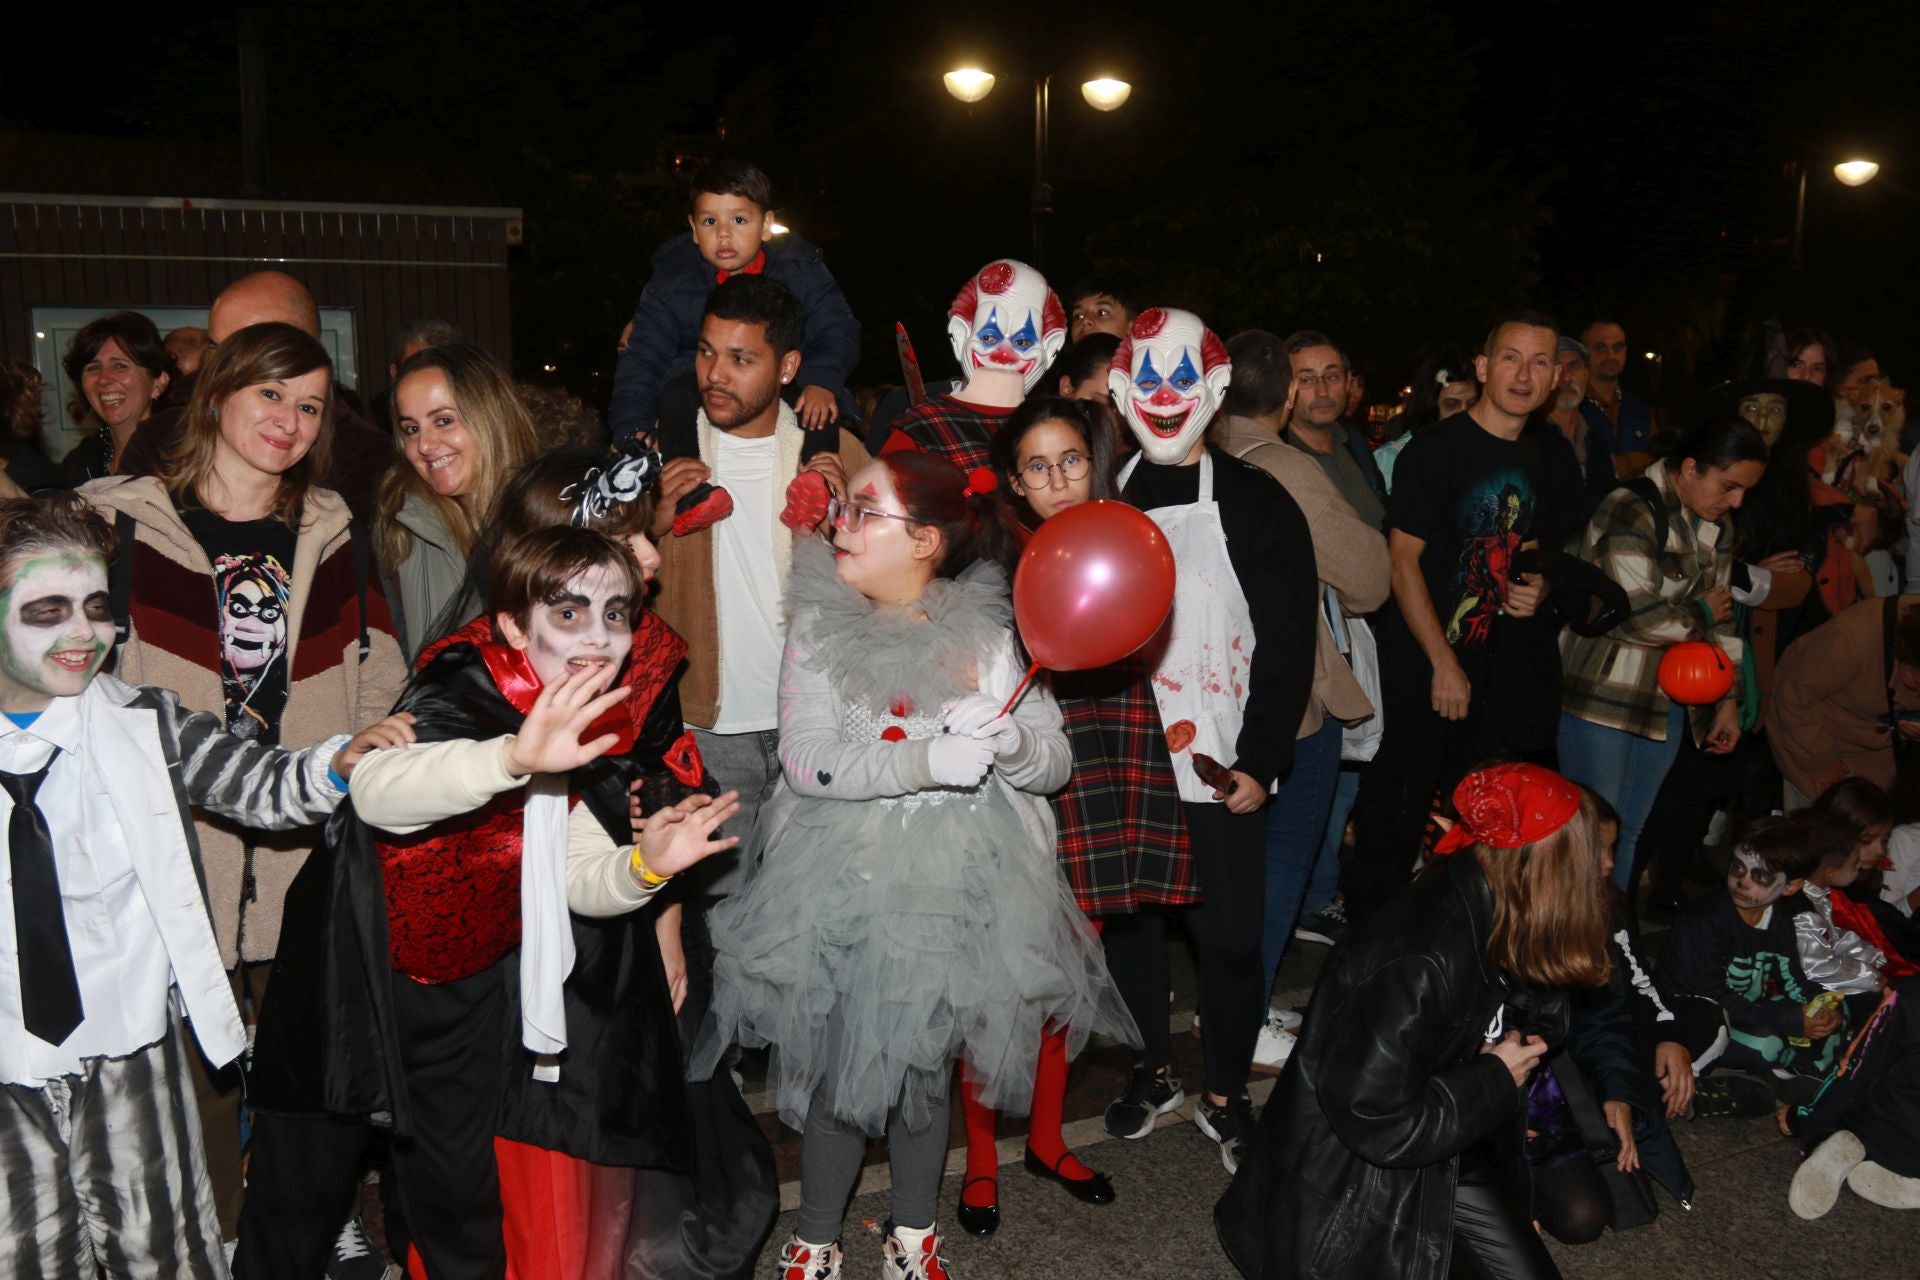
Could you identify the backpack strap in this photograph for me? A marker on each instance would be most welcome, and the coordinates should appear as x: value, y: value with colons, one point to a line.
x: 1649, y: 492
x: 357, y: 542
x: 120, y: 576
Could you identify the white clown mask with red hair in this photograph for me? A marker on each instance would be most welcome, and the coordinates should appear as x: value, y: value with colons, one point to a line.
x: 1167, y: 380
x: 1007, y: 319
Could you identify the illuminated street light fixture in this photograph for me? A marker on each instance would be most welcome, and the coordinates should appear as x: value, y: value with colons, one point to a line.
x: 1856, y: 173
x: 1107, y: 94
x: 969, y: 84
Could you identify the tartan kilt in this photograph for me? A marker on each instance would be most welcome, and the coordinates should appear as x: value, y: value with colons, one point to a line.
x: 944, y: 427
x: 1123, y: 839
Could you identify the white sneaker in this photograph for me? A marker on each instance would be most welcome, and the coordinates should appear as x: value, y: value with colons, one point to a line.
x: 1817, y: 1182
x: 918, y: 1260
x: 1275, y: 1045
x: 799, y: 1260
x: 1882, y: 1186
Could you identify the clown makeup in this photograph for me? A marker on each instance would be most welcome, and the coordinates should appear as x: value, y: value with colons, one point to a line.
x: 878, y: 550
x: 59, y: 629
x: 586, y: 624
x: 1754, y: 885
x: 1007, y: 320
x: 1167, y: 380
x: 1871, y: 850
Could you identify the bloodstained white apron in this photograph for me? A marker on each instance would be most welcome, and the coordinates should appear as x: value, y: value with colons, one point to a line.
x: 1200, y: 679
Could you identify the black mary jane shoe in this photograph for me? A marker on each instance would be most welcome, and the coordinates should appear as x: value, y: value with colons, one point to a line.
x: 979, y: 1220
x: 1094, y: 1189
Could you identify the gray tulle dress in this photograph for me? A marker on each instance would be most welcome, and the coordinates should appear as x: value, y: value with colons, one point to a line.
x: 890, y: 925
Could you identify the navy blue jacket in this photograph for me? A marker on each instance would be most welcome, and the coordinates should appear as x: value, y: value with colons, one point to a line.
x: 1636, y: 423
x: 666, y: 325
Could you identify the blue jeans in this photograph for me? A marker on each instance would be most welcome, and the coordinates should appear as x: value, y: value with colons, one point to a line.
x: 1623, y: 768
x: 1324, y: 885
x: 1296, y: 822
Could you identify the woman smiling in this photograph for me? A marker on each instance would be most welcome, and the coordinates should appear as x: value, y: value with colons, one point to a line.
x: 119, y: 368
x: 240, y: 588
x: 462, y: 430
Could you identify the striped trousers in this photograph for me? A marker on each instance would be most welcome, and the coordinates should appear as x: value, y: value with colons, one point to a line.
x: 102, y: 1174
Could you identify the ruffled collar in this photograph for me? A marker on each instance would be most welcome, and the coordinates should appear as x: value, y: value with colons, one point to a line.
x: 877, y: 655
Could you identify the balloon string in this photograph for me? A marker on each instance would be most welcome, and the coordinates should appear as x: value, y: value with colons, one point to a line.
x: 1025, y: 681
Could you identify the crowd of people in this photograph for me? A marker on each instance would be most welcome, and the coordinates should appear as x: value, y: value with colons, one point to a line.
x: 460, y: 798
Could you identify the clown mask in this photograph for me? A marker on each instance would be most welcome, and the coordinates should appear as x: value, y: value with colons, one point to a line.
x: 59, y: 628
x: 1007, y: 320
x: 1167, y: 380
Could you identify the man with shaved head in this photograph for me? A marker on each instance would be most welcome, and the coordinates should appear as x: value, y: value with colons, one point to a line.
x: 361, y: 451
x: 188, y: 345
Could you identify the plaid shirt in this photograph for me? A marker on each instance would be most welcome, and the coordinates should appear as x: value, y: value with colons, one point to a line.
x: 957, y: 431
x: 1612, y: 680
x: 1123, y: 839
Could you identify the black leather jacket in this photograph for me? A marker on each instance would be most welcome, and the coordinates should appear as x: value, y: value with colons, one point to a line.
x: 1352, y: 1173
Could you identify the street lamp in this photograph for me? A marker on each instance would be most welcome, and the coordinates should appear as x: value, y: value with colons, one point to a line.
x: 1852, y: 173
x: 1105, y: 93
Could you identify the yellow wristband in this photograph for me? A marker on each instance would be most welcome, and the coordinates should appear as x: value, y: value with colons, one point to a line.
x: 642, y: 872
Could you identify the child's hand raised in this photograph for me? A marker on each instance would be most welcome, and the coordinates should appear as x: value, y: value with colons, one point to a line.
x: 549, y: 739
x: 394, y: 732
x: 674, y: 838
x: 816, y: 408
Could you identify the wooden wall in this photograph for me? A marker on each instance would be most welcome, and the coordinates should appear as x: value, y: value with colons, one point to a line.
x: 389, y: 266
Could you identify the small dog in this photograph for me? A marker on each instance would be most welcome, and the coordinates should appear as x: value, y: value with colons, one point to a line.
x: 1860, y: 452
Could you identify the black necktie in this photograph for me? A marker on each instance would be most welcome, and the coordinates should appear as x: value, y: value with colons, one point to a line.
x: 49, y: 991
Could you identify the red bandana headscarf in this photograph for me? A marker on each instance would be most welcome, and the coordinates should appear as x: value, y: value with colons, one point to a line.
x: 1508, y: 806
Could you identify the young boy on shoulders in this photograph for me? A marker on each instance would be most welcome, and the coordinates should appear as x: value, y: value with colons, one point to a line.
x: 105, y: 915
x: 732, y: 232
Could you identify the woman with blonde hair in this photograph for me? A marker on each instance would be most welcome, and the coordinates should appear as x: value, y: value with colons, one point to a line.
x: 237, y: 583
x: 461, y: 428
x: 1393, y: 1142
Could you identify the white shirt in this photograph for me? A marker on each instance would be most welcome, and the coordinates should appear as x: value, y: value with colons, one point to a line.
x: 746, y: 585
x: 118, y: 953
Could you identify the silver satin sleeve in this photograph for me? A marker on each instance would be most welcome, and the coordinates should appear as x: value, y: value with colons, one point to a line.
x: 1834, y: 958
x: 257, y: 785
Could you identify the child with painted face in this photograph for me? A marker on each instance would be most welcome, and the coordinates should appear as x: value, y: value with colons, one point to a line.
x: 1741, y: 950
x: 99, y: 775
x: 907, y: 909
x: 1121, y: 841
x: 447, y: 903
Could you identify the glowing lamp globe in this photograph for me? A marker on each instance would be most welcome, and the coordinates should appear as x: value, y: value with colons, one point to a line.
x: 1106, y: 93
x: 1856, y: 173
x: 1695, y: 672
x: 969, y: 84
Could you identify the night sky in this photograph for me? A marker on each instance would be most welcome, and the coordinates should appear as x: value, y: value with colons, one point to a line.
x: 1393, y: 173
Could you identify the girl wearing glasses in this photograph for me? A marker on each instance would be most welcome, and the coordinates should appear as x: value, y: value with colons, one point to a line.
x: 244, y: 593
x: 906, y: 910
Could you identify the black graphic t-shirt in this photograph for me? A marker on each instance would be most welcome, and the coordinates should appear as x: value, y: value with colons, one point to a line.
x: 1471, y: 497
x: 252, y: 580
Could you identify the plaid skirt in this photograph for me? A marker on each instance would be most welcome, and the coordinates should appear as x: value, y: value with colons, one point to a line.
x: 1123, y: 841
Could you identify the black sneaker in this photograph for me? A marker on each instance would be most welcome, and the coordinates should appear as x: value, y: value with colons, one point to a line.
x: 1231, y: 1126
x: 1729, y: 1095
x: 354, y: 1257
x: 1325, y: 926
x: 1150, y: 1095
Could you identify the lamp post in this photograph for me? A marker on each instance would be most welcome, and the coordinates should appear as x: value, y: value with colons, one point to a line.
x: 1851, y: 173
x: 971, y: 84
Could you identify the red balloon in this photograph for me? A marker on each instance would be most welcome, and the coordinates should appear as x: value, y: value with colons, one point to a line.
x: 1695, y: 672
x: 1094, y: 585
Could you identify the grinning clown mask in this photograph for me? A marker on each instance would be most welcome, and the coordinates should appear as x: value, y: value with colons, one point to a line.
x: 1167, y: 380
x: 1007, y: 319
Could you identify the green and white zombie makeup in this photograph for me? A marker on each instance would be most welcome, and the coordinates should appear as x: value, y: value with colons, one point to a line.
x: 58, y: 628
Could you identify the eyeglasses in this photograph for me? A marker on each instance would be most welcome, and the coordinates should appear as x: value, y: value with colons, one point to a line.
x: 852, y: 517
x: 1038, y: 474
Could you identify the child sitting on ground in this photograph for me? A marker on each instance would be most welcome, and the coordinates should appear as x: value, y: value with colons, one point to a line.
x: 732, y: 233
x: 1741, y: 950
x: 106, y: 917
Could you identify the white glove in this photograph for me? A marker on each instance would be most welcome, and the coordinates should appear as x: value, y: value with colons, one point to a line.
x: 958, y: 759
x: 978, y: 716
